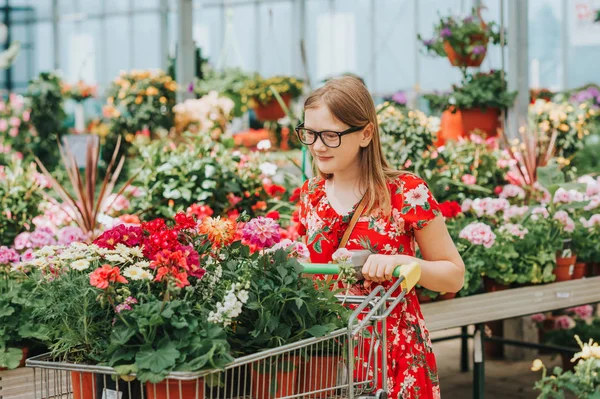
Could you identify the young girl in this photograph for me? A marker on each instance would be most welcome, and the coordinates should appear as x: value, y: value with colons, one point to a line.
x: 394, y: 209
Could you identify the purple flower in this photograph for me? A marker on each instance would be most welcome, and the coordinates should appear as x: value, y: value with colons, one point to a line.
x: 8, y: 255
x: 70, y: 234
x: 446, y: 32
x: 191, y: 88
x: 41, y: 237
x: 468, y: 19
x: 126, y: 305
x: 400, y: 98
x: 262, y: 232
x: 478, y: 50
x: 428, y: 42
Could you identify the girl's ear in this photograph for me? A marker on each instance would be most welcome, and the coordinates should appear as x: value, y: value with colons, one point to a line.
x: 366, y: 135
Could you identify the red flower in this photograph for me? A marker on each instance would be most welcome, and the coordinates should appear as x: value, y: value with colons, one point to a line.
x: 498, y: 190
x: 273, y: 215
x: 200, y: 211
x: 259, y: 206
x: 102, y: 276
x: 154, y: 225
x: 233, y: 214
x: 121, y: 234
x: 295, y: 195
x: 184, y: 222
x: 273, y: 189
x: 450, y: 209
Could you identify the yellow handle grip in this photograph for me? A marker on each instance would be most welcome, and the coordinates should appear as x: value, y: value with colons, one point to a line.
x: 411, y: 274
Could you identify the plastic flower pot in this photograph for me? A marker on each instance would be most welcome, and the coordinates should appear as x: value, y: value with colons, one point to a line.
x: 278, y: 379
x: 446, y: 296
x: 594, y: 269
x: 471, y: 60
x: 451, y: 127
x: 23, y: 358
x: 565, y: 267
x: 84, y: 385
x: 487, y: 120
x: 192, y: 389
x: 580, y: 270
x: 272, y: 111
x: 319, y: 372
x: 92, y: 386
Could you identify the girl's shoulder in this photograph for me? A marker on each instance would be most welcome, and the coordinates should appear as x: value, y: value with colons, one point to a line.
x: 406, y: 181
x: 312, y: 190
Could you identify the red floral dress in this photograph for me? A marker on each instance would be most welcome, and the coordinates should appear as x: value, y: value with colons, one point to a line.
x: 411, y: 363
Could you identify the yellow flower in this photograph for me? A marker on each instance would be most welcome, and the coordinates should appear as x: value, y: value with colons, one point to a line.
x: 564, y: 127
x: 537, y: 365
x: 163, y: 100
x: 138, y: 100
x: 110, y: 100
x: 151, y: 91
x: 129, y: 137
x: 122, y: 94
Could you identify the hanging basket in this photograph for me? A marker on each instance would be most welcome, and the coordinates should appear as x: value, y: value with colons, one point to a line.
x: 272, y: 111
x: 487, y: 120
x: 471, y: 60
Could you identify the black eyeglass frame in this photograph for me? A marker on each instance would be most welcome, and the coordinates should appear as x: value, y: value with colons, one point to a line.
x: 318, y: 134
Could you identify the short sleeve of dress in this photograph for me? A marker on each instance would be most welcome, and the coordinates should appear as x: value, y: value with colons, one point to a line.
x: 302, y: 204
x: 414, y: 201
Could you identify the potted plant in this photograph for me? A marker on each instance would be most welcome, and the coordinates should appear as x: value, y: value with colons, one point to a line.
x: 582, y: 382
x: 262, y: 99
x: 585, y: 244
x: 209, y: 114
x: 79, y: 93
x: 463, y: 40
x: 228, y: 83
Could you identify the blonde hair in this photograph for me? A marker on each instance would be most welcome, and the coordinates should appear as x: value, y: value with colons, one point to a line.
x: 350, y: 102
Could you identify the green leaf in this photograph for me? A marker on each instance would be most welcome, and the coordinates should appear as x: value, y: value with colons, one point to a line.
x: 121, y: 335
x: 158, y: 360
x: 7, y: 311
x: 550, y: 175
x: 11, y: 358
x: 317, y: 331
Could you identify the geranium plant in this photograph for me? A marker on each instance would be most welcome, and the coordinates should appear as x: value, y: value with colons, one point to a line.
x: 258, y: 90
x: 16, y: 131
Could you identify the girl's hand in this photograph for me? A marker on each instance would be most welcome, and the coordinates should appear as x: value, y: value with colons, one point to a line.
x: 379, y: 268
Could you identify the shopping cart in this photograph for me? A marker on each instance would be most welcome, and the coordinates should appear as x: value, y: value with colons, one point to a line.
x: 342, y: 364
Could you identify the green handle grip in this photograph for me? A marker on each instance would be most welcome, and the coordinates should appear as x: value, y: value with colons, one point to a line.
x: 331, y: 269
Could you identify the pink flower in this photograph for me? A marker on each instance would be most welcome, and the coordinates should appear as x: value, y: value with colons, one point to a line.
x: 514, y: 178
x: 16, y: 101
x: 540, y: 210
x: 479, y: 234
x: 126, y: 305
x: 489, y: 206
x: 515, y: 211
x: 262, y: 232
x: 115, y: 203
x: 466, y: 205
x: 41, y: 237
x: 512, y: 191
x: 341, y: 255
x: 594, y: 203
x: 468, y: 179
x: 13, y: 132
x: 476, y: 139
x: 593, y: 221
x: 22, y: 241
x: 134, y: 191
x: 3, y: 125
x: 2, y: 105
x: 564, y: 323
x: 233, y: 199
x: 8, y: 255
x: 70, y: 234
x: 42, y: 180
x: 26, y: 116
x: 538, y: 317
x: 15, y: 122
x: 583, y: 311
x: 515, y: 229
x: 567, y: 197
x: 565, y: 220
x: 296, y: 249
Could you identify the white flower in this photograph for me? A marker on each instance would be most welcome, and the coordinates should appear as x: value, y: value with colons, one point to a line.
x: 263, y: 145
x: 268, y: 168
x: 39, y: 262
x: 137, y: 273
x: 243, y: 296
x: 341, y: 255
x: 136, y: 251
x: 417, y: 196
x: 47, y: 251
x: 80, y: 264
x: 143, y: 264
x: 114, y: 258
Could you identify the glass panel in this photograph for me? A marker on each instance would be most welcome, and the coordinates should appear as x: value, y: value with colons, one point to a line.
x: 240, y: 37
x: 584, y: 43
x: 67, y: 7
x: 146, y: 4
x: 208, y: 31
x: 276, y: 46
x: 118, y: 46
x: 44, y: 47
x: 545, y: 66
x: 113, y: 6
x: 92, y: 7
x: 146, y: 41
x: 42, y: 9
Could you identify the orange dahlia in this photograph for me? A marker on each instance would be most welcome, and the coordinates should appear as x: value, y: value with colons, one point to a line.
x: 219, y: 231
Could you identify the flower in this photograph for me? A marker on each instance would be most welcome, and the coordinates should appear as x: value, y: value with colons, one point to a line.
x: 137, y: 273
x: 274, y: 189
x: 478, y: 234
x: 263, y: 145
x: 22, y: 241
x: 515, y: 211
x: 515, y: 229
x: 200, y: 211
x: 70, y: 234
x: 564, y: 323
x: 130, y: 219
x: 538, y: 317
x: 468, y: 179
x: 540, y: 210
x: 341, y: 255
x: 81, y: 264
x: 219, y: 231
x: 537, y: 365
x: 445, y: 32
x: 273, y: 215
x: 478, y: 50
x: 594, y: 220
x: 565, y: 220
x: 184, y: 222
x: 450, y: 209
x: 417, y: 196
x: 41, y: 237
x: 583, y: 311
x: 512, y: 191
x: 8, y: 255
x: 262, y: 232
x: 102, y: 276
x: 126, y: 305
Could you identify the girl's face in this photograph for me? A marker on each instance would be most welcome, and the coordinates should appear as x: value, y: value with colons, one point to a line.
x: 340, y: 159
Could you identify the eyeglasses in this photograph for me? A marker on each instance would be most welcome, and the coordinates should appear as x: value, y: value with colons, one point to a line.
x: 329, y: 138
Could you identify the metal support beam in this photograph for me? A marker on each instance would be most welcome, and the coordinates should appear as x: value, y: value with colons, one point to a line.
x: 186, y: 57
x: 518, y: 65
x: 55, y: 35
x: 564, y: 46
x: 478, y: 362
x: 164, y: 34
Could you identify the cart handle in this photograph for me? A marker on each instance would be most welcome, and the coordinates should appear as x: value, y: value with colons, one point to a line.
x: 410, y: 273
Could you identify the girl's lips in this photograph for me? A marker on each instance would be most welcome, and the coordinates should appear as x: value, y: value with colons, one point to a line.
x: 323, y: 159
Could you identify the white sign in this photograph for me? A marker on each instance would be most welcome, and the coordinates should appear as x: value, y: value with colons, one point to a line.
x: 583, y: 30
x: 336, y: 44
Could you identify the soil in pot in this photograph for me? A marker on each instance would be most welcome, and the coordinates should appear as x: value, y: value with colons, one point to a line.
x: 319, y: 372
x: 272, y: 380
x: 564, y: 268
x: 192, y: 389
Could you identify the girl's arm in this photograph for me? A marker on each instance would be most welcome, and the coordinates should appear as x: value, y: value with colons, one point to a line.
x: 442, y: 268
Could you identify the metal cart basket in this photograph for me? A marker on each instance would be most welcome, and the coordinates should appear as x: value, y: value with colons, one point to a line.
x: 342, y: 364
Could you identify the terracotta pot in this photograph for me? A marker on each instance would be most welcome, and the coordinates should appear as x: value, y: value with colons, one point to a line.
x: 493, y: 286
x: 319, y: 372
x: 471, y: 60
x: 451, y: 127
x: 275, y: 381
x: 84, y: 385
x: 564, y: 268
x: 487, y: 120
x: 446, y: 296
x: 595, y: 269
x: 23, y: 358
x: 193, y: 389
x: 580, y: 269
x: 272, y: 111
